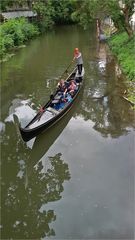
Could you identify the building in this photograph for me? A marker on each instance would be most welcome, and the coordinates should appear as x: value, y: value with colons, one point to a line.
x: 4, y: 16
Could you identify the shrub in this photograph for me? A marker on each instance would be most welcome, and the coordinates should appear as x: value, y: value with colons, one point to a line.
x: 28, y: 29
x: 2, y: 47
x: 14, y: 33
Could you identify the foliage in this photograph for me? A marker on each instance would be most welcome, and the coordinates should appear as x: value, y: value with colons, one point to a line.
x: 87, y: 10
x: 62, y: 11
x: 29, y: 30
x: 5, y: 4
x: 14, y: 33
x: 45, y: 14
x: 121, y: 14
x: 53, y: 12
x: 123, y: 48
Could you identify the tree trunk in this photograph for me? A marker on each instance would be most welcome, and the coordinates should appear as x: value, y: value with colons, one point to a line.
x: 128, y: 28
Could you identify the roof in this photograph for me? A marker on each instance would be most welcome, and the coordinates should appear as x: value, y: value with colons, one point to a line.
x: 18, y: 14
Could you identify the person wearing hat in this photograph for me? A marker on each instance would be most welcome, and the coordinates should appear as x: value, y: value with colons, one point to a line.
x: 79, y: 60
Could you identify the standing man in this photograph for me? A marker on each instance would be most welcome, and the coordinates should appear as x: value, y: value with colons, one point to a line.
x: 79, y: 60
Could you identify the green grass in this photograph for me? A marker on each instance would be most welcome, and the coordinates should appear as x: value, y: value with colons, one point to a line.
x: 124, y: 49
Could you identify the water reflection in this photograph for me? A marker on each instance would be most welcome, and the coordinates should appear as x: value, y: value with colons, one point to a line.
x: 21, y: 204
x: 102, y: 101
x: 102, y: 55
x: 22, y: 215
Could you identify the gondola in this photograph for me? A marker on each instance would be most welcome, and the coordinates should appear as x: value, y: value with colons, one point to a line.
x: 53, y: 110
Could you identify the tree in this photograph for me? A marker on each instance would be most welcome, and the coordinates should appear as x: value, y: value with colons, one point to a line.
x: 63, y: 10
x: 45, y: 13
x: 6, y: 3
x: 128, y: 10
x: 119, y: 11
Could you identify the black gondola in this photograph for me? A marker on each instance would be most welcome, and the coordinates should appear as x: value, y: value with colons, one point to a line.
x: 53, y: 110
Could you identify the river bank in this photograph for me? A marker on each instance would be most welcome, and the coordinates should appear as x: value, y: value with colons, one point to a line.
x: 123, y: 48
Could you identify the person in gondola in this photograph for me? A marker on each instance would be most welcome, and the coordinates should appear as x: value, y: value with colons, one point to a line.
x: 62, y: 87
x: 72, y: 87
x: 79, y: 61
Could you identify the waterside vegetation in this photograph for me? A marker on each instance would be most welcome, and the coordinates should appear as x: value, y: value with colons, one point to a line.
x: 15, y: 33
x: 124, y: 49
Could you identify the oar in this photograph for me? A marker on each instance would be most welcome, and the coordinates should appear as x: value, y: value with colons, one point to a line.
x: 52, y: 95
x: 42, y: 110
x: 66, y: 70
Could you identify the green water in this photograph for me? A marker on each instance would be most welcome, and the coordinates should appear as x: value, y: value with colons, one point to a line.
x: 75, y: 181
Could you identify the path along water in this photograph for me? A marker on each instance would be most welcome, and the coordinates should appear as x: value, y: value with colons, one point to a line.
x: 77, y: 180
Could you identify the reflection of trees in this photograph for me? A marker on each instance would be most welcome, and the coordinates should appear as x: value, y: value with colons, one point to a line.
x: 110, y: 114
x: 21, y: 215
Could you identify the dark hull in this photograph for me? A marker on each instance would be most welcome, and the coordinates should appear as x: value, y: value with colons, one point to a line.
x: 28, y: 134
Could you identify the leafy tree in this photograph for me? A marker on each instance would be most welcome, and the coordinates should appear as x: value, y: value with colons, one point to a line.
x: 121, y: 12
x: 6, y: 3
x: 62, y: 11
x: 128, y: 11
x: 14, y: 4
x: 87, y: 11
x: 45, y: 13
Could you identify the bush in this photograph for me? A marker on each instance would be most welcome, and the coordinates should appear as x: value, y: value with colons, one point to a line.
x: 28, y: 29
x: 45, y: 14
x: 2, y: 47
x: 13, y: 27
x: 14, y: 33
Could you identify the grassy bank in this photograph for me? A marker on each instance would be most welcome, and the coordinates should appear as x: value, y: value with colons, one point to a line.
x: 124, y: 49
x: 15, y: 33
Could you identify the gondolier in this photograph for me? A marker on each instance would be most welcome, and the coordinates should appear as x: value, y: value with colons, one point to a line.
x: 79, y: 60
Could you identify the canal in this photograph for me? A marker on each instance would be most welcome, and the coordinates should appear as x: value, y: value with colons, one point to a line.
x: 76, y: 181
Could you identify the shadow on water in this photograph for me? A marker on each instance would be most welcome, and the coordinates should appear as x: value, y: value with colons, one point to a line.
x: 34, y: 182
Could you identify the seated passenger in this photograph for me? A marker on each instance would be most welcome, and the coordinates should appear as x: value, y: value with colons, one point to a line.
x: 72, y: 87
x: 62, y: 102
x: 62, y: 87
